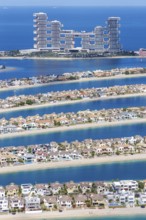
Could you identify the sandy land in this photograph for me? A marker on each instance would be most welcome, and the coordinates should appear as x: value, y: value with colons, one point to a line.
x: 121, y: 76
x: 80, y: 213
x: 73, y: 127
x: 74, y: 163
x: 70, y: 102
x: 67, y: 58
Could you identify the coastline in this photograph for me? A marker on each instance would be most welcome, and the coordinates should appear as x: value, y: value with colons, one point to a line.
x: 73, y: 163
x: 121, y: 76
x: 78, y: 213
x: 66, y: 58
x: 27, y: 107
x: 73, y: 127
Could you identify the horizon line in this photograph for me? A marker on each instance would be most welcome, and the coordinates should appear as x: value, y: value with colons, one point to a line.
x: 73, y: 5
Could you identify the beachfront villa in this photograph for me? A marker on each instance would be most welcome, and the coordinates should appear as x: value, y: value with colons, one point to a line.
x: 71, y: 195
x: 49, y: 35
x: 68, y: 77
x: 64, y: 152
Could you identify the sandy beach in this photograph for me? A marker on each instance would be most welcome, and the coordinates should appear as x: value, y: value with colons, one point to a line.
x: 70, y: 102
x: 74, y: 163
x: 73, y: 127
x: 67, y: 58
x: 80, y: 213
x: 74, y: 81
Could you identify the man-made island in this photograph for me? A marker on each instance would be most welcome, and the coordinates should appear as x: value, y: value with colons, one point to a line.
x: 65, y: 154
x: 84, y: 198
x: 70, y: 96
x: 68, y: 121
x: 43, y: 80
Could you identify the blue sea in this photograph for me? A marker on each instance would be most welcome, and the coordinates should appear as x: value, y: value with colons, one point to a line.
x: 16, y: 32
x: 16, y: 23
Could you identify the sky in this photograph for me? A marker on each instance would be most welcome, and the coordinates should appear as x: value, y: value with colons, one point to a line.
x: 73, y: 2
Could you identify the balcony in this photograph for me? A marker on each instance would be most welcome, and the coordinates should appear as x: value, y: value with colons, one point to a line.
x: 35, y: 46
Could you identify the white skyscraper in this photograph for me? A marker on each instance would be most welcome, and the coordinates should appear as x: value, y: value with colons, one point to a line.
x: 50, y: 35
x: 113, y: 34
x: 40, y: 24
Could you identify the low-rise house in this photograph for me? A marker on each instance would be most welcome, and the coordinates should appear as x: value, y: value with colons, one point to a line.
x: 85, y: 187
x: 4, y: 205
x: 75, y: 155
x: 12, y: 189
x: 29, y: 158
x: 53, y: 156
x: 55, y: 188
x: 127, y: 185
x: 72, y: 188
x: 110, y: 196
x: 16, y: 203
x: 142, y: 199
x: 41, y: 156
x: 131, y: 198
x: 2, y: 192
x: 29, y: 126
x: 101, y: 187
x: 97, y: 200
x: 7, y: 157
x: 65, y: 201
x: 9, y: 129
x: 41, y: 189
x: 26, y: 188
x: 64, y: 156
x: 32, y: 204
x: 50, y: 201
x: 80, y: 200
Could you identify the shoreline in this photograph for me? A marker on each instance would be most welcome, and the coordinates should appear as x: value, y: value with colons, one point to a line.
x: 66, y: 58
x: 85, y: 126
x: 27, y: 107
x: 74, y: 163
x: 79, y: 214
x: 82, y: 80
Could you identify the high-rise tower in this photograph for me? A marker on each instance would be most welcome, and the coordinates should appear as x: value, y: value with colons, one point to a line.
x: 50, y: 35
x: 40, y: 24
x: 113, y: 34
x: 99, y: 38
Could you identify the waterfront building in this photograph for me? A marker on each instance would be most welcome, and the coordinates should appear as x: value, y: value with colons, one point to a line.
x: 50, y: 35
x: 40, y: 20
x: 142, y: 52
x: 113, y: 34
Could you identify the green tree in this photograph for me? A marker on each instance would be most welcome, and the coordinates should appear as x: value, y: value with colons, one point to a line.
x: 29, y: 102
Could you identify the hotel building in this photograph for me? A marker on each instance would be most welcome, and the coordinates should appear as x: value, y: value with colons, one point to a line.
x: 50, y: 35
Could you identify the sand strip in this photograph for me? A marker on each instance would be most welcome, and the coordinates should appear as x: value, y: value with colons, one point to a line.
x: 74, y: 163
x: 81, y: 213
x: 69, y: 102
x: 121, y: 76
x: 73, y: 127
